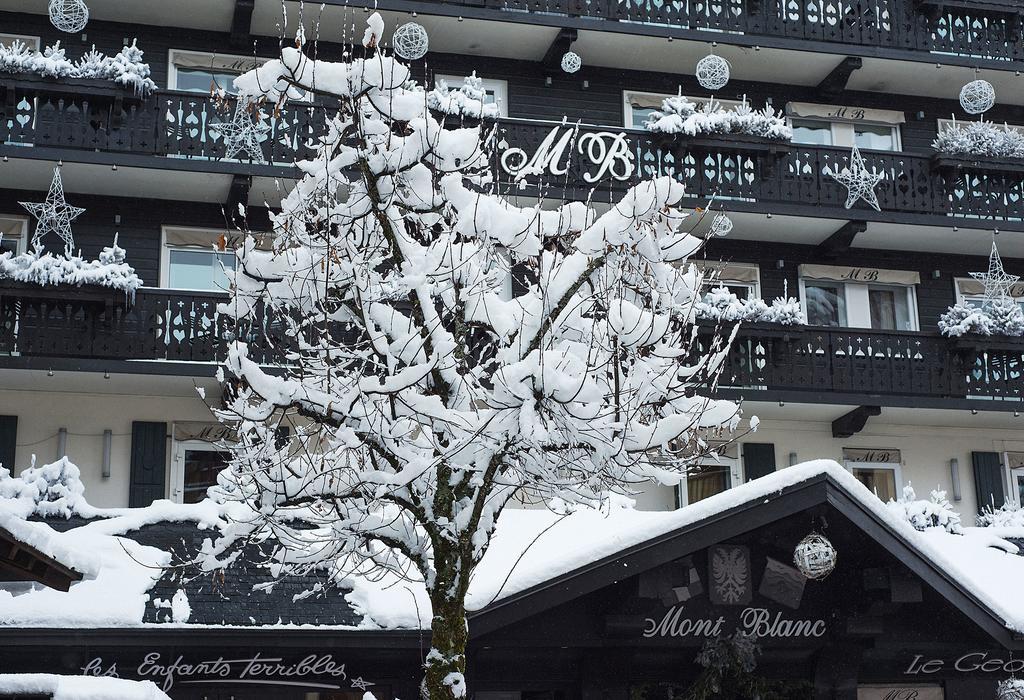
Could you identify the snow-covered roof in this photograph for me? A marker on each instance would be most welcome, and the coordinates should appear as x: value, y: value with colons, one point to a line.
x: 532, y: 550
x: 78, y: 687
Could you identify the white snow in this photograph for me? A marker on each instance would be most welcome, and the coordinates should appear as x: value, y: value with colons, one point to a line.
x: 126, y: 68
x: 181, y: 611
x: 680, y: 116
x: 78, y: 687
x: 45, y: 269
x: 980, y: 138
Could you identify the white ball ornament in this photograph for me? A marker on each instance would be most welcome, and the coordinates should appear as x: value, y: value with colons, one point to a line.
x: 571, y: 62
x: 721, y: 225
x: 69, y: 16
x: 977, y: 97
x: 410, y: 41
x: 713, y: 72
x: 1010, y: 689
x: 815, y: 557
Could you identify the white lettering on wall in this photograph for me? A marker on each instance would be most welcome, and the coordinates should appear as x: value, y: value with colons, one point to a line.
x: 756, y: 621
x: 607, y: 153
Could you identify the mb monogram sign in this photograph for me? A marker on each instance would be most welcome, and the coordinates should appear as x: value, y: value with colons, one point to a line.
x: 900, y: 692
x: 167, y: 670
x: 601, y: 154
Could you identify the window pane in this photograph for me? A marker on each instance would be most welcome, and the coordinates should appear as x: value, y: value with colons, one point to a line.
x: 200, y: 79
x: 201, y: 469
x: 879, y: 138
x: 881, y: 482
x: 706, y: 481
x: 642, y: 114
x: 826, y: 304
x: 1019, y: 481
x: 805, y: 131
x: 889, y: 308
x: 199, y: 269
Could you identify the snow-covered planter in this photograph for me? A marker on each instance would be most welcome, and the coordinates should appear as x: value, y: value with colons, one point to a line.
x: 937, y: 511
x: 1007, y: 515
x: 1003, y: 317
x: 980, y: 138
x: 469, y: 100
x: 126, y: 69
x: 679, y: 115
x: 35, y: 267
x: 720, y: 304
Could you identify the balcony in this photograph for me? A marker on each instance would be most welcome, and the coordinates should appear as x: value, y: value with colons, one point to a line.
x: 980, y: 29
x: 814, y: 365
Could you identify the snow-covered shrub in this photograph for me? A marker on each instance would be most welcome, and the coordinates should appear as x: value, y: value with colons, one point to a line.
x: 680, y: 116
x: 1007, y: 317
x: 469, y: 100
x: 1002, y: 317
x: 37, y: 267
x: 126, y: 68
x: 980, y: 138
x: 937, y: 511
x: 720, y: 304
x: 786, y: 311
x: 1007, y: 515
x: 56, y: 488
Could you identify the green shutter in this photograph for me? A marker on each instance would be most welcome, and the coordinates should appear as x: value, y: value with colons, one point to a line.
x: 149, y: 463
x: 8, y: 442
x: 988, y: 479
x: 758, y: 459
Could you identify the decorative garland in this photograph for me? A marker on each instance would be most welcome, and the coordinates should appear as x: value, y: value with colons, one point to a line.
x: 679, y: 115
x: 126, y: 68
x: 980, y: 138
x: 720, y: 304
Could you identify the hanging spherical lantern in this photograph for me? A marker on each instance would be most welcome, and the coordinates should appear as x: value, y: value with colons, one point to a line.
x: 1010, y: 689
x: 69, y: 16
x: 712, y: 72
x: 571, y: 62
x: 977, y: 97
x: 815, y: 556
x: 410, y: 41
x: 721, y: 225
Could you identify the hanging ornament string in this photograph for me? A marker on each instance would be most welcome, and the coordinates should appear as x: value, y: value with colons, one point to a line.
x: 69, y: 16
x: 713, y: 72
x: 410, y: 41
x: 54, y: 215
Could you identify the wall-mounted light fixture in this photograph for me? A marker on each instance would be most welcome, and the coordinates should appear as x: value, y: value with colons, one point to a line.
x: 954, y: 475
x: 779, y: 264
x: 792, y: 458
x: 108, y: 439
x: 936, y: 274
x: 62, y: 442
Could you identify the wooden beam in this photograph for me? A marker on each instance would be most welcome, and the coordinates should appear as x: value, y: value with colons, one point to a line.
x: 853, y: 422
x: 839, y: 242
x: 553, y: 57
x: 836, y: 81
x: 238, y: 194
x: 241, y: 23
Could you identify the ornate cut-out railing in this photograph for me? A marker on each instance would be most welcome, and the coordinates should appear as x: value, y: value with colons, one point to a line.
x: 986, y: 29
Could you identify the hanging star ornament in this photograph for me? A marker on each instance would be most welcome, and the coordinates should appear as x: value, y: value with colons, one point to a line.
x: 859, y: 182
x: 54, y: 215
x: 997, y: 282
x: 360, y: 684
x: 242, y: 133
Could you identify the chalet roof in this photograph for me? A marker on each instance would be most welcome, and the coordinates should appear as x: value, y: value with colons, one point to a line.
x: 33, y: 552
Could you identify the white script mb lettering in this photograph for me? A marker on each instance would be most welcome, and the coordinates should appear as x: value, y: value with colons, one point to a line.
x: 607, y: 152
x: 756, y: 621
x: 256, y: 669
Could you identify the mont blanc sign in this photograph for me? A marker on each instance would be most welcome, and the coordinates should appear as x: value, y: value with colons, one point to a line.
x: 759, y: 622
x: 601, y: 155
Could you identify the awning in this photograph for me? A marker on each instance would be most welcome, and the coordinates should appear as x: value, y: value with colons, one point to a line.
x: 841, y: 113
x: 862, y: 275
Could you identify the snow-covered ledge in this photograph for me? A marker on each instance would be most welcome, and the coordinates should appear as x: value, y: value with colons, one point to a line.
x: 40, y: 269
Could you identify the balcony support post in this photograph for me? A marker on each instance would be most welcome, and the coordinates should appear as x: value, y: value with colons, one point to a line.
x: 853, y: 422
x: 552, y: 60
x: 241, y: 23
x: 839, y: 242
x: 238, y: 195
x: 836, y: 81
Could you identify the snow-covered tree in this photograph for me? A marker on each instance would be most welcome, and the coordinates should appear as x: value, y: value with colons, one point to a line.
x: 427, y: 389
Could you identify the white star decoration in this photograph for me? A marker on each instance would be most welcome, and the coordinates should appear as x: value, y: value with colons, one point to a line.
x: 859, y: 181
x: 54, y: 214
x: 242, y: 133
x: 360, y: 684
x: 997, y: 282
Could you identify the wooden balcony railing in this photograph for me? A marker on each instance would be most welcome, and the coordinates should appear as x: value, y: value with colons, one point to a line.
x: 167, y: 325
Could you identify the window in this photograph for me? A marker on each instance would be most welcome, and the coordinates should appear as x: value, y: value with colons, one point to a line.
x: 856, y: 297
x: 742, y: 280
x: 1015, y: 471
x: 638, y: 106
x: 192, y: 71
x: 878, y: 469
x: 827, y: 125
x: 196, y: 259
x: 198, y: 455
x: 711, y: 477
x: 32, y: 42
x: 13, y: 234
x: 497, y: 90
x: 972, y: 292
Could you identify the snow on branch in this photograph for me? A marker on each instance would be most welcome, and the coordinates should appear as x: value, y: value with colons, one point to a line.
x: 980, y: 138
x: 720, y: 304
x: 468, y: 100
x: 1007, y: 515
x: 127, y: 68
x: 45, y: 269
x: 1001, y: 317
x: 679, y: 115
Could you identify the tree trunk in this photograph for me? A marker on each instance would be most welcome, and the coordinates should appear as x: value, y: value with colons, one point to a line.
x: 444, y: 676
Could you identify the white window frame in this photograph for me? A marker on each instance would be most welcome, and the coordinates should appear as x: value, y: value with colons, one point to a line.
x: 1012, y: 474
x: 858, y: 307
x: 735, y: 476
x: 166, y: 248
x: 32, y: 41
x: 22, y: 235
x: 627, y: 107
x: 894, y: 467
x: 176, y: 483
x: 709, y: 266
x: 172, y: 69
x: 498, y: 87
x: 843, y: 133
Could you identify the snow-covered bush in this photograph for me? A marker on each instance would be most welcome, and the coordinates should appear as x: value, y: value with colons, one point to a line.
x: 45, y: 269
x: 52, y: 490
x: 1001, y: 317
x: 720, y: 304
x: 680, y: 116
x: 980, y: 138
x: 126, y: 68
x: 469, y: 100
x: 937, y: 511
x: 1007, y: 515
